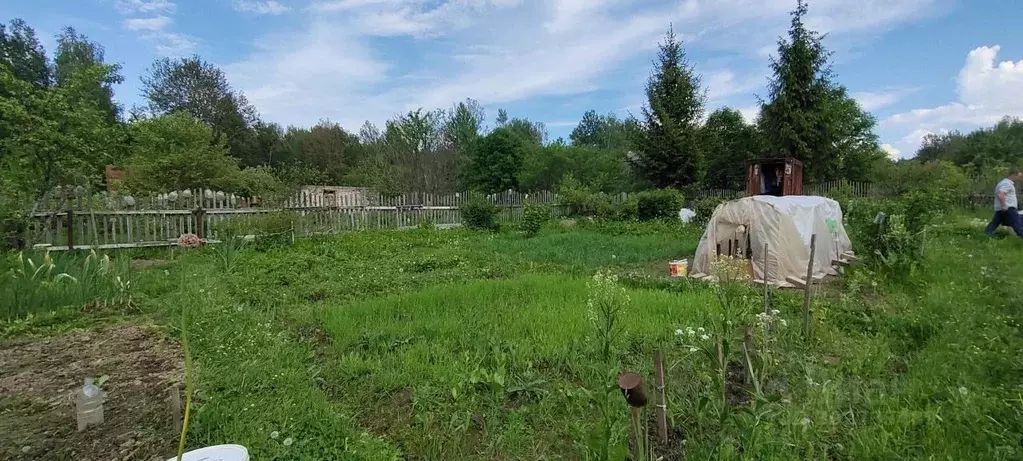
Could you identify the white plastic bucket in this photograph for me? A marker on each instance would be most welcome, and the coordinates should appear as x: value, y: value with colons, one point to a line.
x: 216, y: 453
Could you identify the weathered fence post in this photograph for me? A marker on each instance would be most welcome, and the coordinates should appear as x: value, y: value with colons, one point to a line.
x: 806, y: 287
x: 767, y: 303
x: 200, y: 222
x: 70, y: 229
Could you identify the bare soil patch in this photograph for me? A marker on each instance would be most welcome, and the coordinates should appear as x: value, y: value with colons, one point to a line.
x: 39, y: 377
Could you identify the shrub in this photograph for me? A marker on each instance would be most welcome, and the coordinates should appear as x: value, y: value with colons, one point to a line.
x: 273, y: 229
x: 621, y: 210
x: 478, y: 213
x: 534, y: 215
x: 577, y: 200
x: 704, y: 208
x: 658, y: 204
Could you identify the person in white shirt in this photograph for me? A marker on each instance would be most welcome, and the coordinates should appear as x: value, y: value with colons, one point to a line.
x: 1006, y: 205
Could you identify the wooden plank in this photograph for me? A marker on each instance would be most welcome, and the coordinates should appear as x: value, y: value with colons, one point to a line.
x: 798, y: 282
x: 806, y: 287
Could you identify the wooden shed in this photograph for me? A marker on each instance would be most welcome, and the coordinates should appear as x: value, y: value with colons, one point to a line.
x: 778, y: 177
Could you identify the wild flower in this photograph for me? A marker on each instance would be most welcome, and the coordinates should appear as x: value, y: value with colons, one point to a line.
x: 275, y: 434
x: 288, y: 441
x: 605, y: 307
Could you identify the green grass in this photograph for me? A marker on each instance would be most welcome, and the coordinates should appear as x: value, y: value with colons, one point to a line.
x: 506, y: 353
x: 460, y: 345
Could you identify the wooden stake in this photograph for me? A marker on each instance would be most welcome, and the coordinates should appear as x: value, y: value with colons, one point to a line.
x: 662, y: 407
x: 747, y: 341
x: 806, y: 287
x: 175, y: 407
x: 767, y: 303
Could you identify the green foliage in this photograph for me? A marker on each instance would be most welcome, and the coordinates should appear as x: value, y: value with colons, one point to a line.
x: 811, y: 118
x: 606, y: 132
x: 658, y: 204
x: 33, y: 284
x: 704, y: 208
x: 77, y: 55
x: 478, y: 213
x: 23, y: 55
x: 199, y: 89
x: 979, y: 151
x: 50, y: 137
x: 730, y: 145
x: 497, y: 160
x: 176, y: 152
x: 534, y: 215
x: 326, y: 148
x: 274, y: 230
x: 670, y: 152
x: 603, y: 170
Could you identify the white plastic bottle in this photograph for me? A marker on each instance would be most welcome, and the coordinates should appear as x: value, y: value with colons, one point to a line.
x: 89, y: 405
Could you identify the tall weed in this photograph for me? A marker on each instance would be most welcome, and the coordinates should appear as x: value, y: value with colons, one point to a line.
x: 46, y: 282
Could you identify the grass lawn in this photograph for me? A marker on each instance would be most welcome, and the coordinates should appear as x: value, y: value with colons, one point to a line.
x: 446, y: 345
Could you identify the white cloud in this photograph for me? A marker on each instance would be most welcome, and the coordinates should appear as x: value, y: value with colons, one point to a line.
x: 147, y: 24
x: 987, y: 92
x: 502, y: 51
x: 750, y: 113
x: 875, y: 100
x: 268, y: 7
x: 145, y: 6
x: 171, y: 44
x: 891, y: 151
x: 722, y: 84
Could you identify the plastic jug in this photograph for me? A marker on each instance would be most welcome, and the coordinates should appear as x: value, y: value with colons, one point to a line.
x: 89, y: 405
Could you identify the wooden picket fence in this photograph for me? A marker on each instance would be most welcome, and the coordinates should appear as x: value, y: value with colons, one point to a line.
x: 79, y: 220
x: 97, y: 222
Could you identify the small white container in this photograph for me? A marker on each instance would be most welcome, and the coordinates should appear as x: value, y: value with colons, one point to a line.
x: 89, y: 405
x: 228, y: 452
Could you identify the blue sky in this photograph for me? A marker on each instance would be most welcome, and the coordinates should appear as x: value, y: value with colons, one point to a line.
x: 921, y: 66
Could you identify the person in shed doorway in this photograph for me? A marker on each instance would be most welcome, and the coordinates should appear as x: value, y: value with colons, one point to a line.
x: 1006, y: 205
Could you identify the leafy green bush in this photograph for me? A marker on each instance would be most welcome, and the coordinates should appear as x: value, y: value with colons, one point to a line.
x: 479, y: 213
x: 273, y: 229
x: 704, y: 208
x: 658, y: 204
x: 577, y: 200
x: 616, y: 210
x: 534, y: 215
x: 13, y: 225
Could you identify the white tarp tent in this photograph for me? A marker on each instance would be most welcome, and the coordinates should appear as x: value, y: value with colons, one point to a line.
x: 785, y: 224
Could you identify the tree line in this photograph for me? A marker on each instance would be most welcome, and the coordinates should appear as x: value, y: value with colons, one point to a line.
x: 60, y: 124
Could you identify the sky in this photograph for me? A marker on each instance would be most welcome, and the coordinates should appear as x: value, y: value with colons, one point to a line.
x: 920, y: 66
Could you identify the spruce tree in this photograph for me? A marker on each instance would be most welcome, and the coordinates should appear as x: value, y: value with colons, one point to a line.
x: 670, y: 152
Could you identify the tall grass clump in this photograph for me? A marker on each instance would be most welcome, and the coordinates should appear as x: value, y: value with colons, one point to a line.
x: 45, y: 282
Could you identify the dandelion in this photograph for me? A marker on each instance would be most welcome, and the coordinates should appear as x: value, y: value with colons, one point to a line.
x: 275, y: 434
x: 288, y: 441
